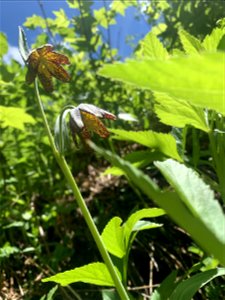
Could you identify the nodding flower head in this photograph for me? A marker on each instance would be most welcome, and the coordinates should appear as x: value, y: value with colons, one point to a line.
x: 84, y: 119
x: 45, y: 63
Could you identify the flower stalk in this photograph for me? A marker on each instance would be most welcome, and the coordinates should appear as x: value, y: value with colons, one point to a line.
x: 81, y: 203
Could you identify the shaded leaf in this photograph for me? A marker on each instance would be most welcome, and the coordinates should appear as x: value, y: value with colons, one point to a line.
x: 187, y: 288
x: 165, y: 289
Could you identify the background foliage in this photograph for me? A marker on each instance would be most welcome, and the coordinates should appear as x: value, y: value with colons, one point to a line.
x: 42, y: 231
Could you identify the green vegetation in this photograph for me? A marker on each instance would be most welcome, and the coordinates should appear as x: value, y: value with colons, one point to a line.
x: 154, y: 189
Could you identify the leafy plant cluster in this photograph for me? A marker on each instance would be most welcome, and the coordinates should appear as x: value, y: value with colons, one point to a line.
x: 174, y: 156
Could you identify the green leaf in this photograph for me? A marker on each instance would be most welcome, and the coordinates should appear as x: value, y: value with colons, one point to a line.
x: 190, y: 43
x: 3, y: 43
x: 143, y: 225
x: 151, y: 47
x: 15, y: 117
x: 179, y: 113
x: 212, y: 40
x: 165, y: 289
x: 102, y: 17
x: 113, y: 238
x: 7, y: 250
x: 196, y: 79
x: 186, y: 289
x: 35, y: 21
x: 163, y: 142
x: 196, y: 195
x: 61, y: 20
x: 110, y: 295
x: 134, y: 224
x: 23, y: 47
x: 159, y: 28
x: 52, y: 292
x: 73, y: 4
x: 174, y: 207
x: 120, y: 6
x: 94, y: 273
x: 131, y: 222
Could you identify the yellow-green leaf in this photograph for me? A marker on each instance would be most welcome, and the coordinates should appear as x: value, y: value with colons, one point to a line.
x: 179, y: 113
x: 3, y: 44
x: 94, y: 273
x: 14, y: 117
x: 164, y: 142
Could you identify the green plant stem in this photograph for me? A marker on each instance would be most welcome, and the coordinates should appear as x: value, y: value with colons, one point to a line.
x: 81, y: 203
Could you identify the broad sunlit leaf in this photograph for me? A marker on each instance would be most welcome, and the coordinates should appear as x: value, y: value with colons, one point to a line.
x: 14, y: 117
x: 179, y: 113
x: 95, y: 273
x: 163, y: 142
x: 198, y: 79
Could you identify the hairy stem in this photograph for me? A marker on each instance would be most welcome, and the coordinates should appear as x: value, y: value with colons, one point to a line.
x: 81, y: 203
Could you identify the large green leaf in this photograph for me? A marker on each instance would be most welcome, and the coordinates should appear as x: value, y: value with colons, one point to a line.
x: 196, y: 195
x: 198, y: 79
x: 186, y: 289
x: 163, y: 142
x: 179, y: 113
x: 113, y: 237
x: 175, y: 208
x: 94, y: 273
x: 14, y: 117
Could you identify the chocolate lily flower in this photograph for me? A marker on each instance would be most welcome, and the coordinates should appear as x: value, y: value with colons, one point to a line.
x: 84, y: 119
x: 45, y: 63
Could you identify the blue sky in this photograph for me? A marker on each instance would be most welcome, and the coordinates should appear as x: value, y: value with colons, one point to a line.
x: 13, y: 13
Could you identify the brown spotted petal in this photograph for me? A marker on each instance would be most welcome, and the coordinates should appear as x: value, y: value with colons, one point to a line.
x: 45, y: 77
x: 58, y: 72
x: 45, y: 63
x: 98, y: 112
x: 57, y: 58
x: 93, y: 124
x: 84, y: 119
